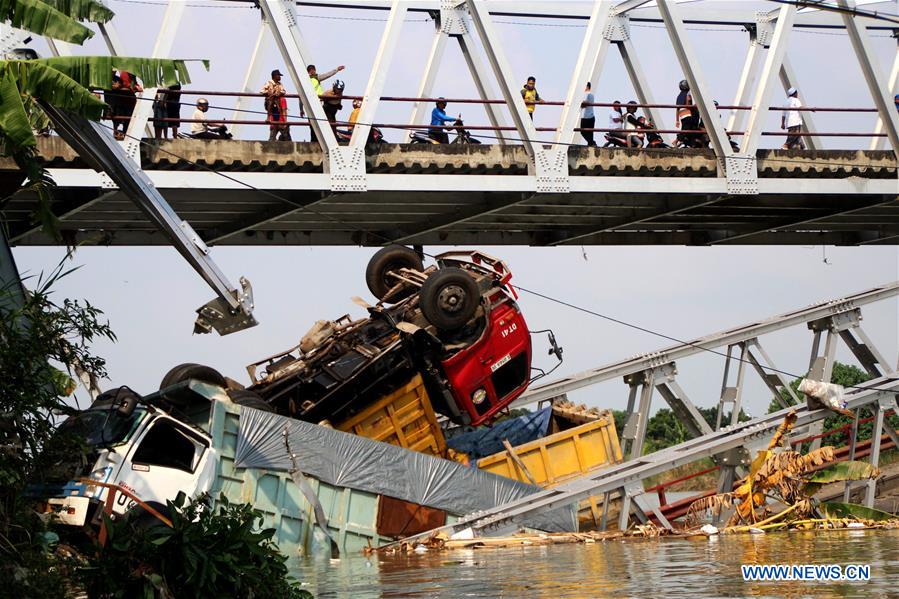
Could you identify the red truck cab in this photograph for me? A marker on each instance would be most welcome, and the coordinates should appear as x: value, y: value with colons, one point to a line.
x: 491, y: 373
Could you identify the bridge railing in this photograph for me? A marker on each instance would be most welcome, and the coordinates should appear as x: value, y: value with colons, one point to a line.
x: 305, y: 121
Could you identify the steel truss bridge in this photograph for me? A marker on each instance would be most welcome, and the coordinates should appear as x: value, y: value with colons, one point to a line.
x: 530, y: 187
x: 731, y: 444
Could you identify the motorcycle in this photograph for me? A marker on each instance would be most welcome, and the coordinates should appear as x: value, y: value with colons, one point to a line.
x: 375, y: 136
x: 422, y: 136
x: 214, y: 132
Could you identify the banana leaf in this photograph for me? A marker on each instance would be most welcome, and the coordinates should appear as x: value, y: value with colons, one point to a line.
x: 837, y: 509
x: 841, y: 471
x: 42, y: 18
x: 83, y: 10
x: 96, y: 71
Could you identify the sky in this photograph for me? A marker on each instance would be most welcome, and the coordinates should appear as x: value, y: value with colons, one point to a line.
x: 150, y: 294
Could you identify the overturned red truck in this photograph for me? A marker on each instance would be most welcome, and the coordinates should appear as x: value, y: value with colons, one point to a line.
x: 456, y: 323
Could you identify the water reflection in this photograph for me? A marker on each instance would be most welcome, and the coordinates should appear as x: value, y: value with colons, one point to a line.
x: 652, y: 568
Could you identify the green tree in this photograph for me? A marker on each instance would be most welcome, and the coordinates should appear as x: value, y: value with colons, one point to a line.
x: 37, y: 335
x: 63, y: 82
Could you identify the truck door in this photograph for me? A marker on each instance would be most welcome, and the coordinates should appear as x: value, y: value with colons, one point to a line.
x: 168, y: 458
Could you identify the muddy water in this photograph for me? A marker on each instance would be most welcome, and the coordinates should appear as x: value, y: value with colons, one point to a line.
x: 647, y: 568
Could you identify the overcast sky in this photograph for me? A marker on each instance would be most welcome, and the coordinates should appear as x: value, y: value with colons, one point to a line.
x: 150, y: 294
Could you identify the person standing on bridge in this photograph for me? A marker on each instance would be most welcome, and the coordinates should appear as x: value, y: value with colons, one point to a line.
x: 317, y: 86
x: 791, y: 120
x: 686, y: 115
x: 531, y: 96
x: 276, y: 108
x: 588, y: 117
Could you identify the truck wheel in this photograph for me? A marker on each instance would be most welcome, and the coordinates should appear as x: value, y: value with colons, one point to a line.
x: 184, y: 372
x: 389, y: 258
x: 250, y: 399
x: 449, y: 298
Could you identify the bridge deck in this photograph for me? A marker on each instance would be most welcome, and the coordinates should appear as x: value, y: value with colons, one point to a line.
x: 458, y: 194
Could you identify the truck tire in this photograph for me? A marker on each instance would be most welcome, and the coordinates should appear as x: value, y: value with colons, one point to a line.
x: 184, y: 372
x: 386, y: 259
x: 449, y: 298
x: 250, y: 399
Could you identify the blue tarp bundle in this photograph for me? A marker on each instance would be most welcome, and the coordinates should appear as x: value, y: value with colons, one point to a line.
x: 481, y: 443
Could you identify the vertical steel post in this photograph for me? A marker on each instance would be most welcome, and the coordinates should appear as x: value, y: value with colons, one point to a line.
x: 689, y: 63
x: 253, y: 73
x: 426, y: 87
x: 853, y: 442
x: 758, y: 115
x: 876, y: 434
x: 483, y: 24
x: 879, y: 143
x: 584, y: 67
x: 379, y: 71
x: 858, y: 36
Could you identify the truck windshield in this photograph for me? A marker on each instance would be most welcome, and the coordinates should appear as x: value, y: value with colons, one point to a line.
x: 102, y: 427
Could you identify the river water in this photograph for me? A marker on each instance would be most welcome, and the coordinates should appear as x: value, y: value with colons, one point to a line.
x: 669, y: 567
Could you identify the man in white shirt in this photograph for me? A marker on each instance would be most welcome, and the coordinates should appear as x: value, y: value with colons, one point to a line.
x: 616, y: 122
x: 791, y: 120
x: 201, y: 128
x: 588, y: 118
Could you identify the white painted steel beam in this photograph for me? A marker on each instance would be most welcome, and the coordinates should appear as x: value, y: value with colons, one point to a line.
x: 701, y: 13
x: 587, y: 63
x: 745, y: 85
x: 483, y: 24
x: 379, y: 71
x: 689, y: 62
x: 758, y: 115
x: 205, y: 180
x: 732, y: 336
x: 879, y: 143
x: 253, y: 74
x: 481, y: 77
x: 639, y: 81
x: 867, y: 60
x: 428, y: 78
x: 789, y: 79
x: 282, y: 20
x: 143, y: 110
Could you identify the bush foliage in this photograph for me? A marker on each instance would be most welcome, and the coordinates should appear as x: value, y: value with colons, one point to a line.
x: 206, y: 553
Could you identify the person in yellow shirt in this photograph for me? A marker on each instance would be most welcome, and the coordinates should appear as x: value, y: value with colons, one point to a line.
x: 530, y: 95
x: 354, y: 116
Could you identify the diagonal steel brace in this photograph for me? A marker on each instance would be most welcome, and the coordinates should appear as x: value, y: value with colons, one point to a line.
x: 232, y: 310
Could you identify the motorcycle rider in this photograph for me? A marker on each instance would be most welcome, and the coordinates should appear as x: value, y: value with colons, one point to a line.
x: 201, y: 128
x: 439, y: 119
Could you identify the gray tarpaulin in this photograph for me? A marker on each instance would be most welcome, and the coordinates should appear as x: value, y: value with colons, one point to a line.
x: 347, y: 460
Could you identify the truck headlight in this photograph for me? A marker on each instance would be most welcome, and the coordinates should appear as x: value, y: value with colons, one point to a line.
x: 479, y: 396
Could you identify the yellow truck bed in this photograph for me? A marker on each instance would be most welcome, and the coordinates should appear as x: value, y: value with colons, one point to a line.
x: 559, y: 457
x: 404, y: 417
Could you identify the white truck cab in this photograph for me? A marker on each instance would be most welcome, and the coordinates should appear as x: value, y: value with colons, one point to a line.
x: 148, y: 452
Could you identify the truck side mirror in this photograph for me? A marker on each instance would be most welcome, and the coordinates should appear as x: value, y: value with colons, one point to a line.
x: 554, y: 349
x: 125, y: 402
